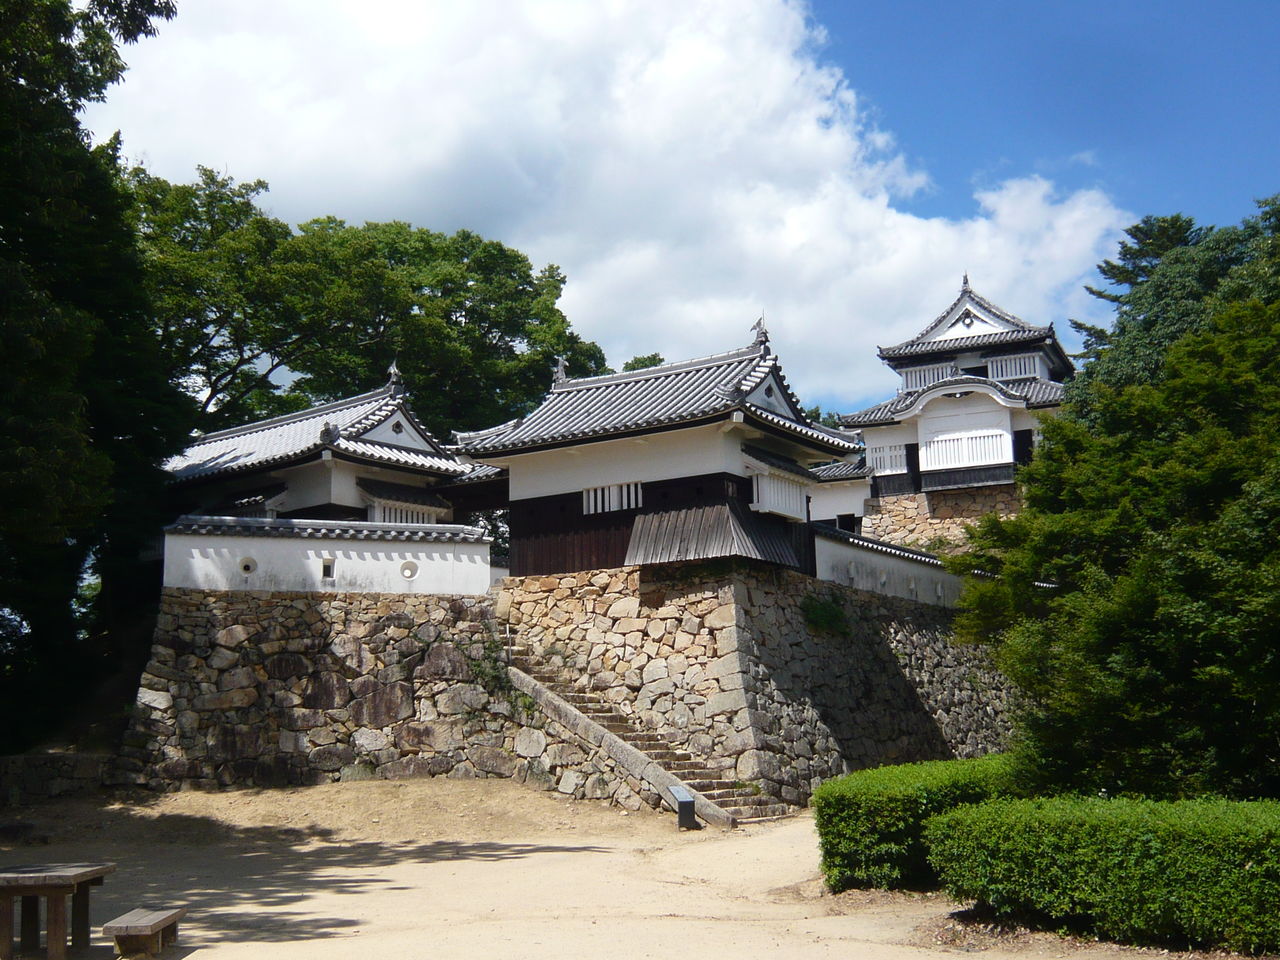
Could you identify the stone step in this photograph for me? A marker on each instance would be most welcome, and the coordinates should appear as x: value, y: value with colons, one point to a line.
x: 702, y: 786
x: 756, y: 814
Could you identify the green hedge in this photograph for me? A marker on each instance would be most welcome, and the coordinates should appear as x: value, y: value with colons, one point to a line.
x: 870, y: 823
x: 1204, y: 872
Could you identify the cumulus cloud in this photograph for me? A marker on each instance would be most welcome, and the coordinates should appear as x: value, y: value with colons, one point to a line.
x: 690, y: 165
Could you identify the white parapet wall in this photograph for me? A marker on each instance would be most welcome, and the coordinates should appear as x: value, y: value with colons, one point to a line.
x: 883, y: 568
x: 236, y: 553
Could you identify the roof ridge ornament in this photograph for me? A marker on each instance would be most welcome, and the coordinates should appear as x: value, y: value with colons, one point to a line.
x: 329, y: 433
x: 964, y: 284
x: 761, y: 332
x: 561, y: 374
x: 395, y: 381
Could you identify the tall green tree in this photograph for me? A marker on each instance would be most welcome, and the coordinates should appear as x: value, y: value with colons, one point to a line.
x: 258, y: 318
x: 1151, y: 507
x: 86, y: 411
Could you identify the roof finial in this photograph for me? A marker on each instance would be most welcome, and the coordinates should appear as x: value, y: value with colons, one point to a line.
x: 561, y: 374
x: 395, y: 382
x: 762, y: 334
x: 964, y: 284
x: 329, y: 433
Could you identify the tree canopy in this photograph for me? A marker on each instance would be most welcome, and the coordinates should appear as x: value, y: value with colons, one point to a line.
x: 1151, y: 507
x: 85, y: 409
x: 256, y: 318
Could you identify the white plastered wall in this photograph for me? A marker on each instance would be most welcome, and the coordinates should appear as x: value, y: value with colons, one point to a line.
x: 293, y: 564
x: 830, y: 500
x: 883, y: 573
x: 657, y: 456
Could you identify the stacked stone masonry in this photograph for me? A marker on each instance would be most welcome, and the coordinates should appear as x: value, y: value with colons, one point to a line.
x: 725, y: 663
x: 35, y: 777
x: 764, y: 675
x: 931, y: 520
x: 273, y: 689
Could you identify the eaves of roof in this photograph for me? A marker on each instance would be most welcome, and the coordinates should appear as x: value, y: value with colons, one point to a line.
x: 841, y: 470
x: 1034, y: 393
x: 328, y: 529
x: 915, y: 348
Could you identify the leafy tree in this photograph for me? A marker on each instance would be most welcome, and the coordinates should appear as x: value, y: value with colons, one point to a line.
x: 1152, y: 507
x: 85, y: 407
x: 643, y: 362
x: 1169, y: 280
x: 243, y: 303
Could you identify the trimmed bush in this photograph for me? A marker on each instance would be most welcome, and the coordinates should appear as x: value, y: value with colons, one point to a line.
x: 1199, y: 872
x: 870, y: 823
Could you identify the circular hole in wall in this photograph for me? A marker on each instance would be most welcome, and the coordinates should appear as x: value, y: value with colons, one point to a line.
x: 248, y: 565
x: 408, y: 569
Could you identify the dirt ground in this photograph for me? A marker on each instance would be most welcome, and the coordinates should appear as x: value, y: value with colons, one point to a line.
x: 449, y: 868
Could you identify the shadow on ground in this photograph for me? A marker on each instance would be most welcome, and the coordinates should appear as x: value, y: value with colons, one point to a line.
x: 237, y: 882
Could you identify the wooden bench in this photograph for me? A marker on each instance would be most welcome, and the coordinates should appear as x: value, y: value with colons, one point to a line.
x: 144, y: 931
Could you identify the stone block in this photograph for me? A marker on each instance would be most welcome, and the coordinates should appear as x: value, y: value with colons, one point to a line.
x: 383, y: 707
x: 570, y: 781
x: 326, y: 691
x: 462, y: 698
x: 232, y: 636
x: 357, y: 771
x: 227, y: 700
x: 626, y: 607
x: 493, y: 760
x: 237, y: 678
x: 369, y: 741
x: 729, y: 701
x: 758, y: 765
x: 155, y: 699
x: 221, y: 658
x: 654, y: 670
x: 284, y: 666
x: 720, y: 617
x: 564, y: 755
x: 333, y: 757
x: 530, y: 742
x: 444, y: 661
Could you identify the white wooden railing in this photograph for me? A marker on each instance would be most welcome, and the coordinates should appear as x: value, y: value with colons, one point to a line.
x: 889, y: 458
x: 949, y: 453
x: 615, y: 496
x: 780, y: 495
x: 1012, y: 368
x: 917, y: 378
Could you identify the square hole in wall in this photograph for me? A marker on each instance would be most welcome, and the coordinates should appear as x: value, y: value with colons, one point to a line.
x: 326, y: 568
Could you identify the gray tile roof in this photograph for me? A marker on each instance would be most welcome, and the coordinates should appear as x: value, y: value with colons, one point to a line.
x: 878, y: 546
x: 328, y: 529
x: 1033, y: 392
x: 915, y: 348
x: 777, y: 460
x: 656, y: 397
x: 338, y: 426
x: 841, y: 470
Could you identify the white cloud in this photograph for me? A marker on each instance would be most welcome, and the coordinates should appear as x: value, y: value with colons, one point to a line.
x: 688, y: 164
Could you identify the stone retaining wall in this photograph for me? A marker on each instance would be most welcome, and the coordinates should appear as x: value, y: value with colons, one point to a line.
x: 268, y: 689
x: 921, y: 519
x: 767, y: 675
x: 34, y: 777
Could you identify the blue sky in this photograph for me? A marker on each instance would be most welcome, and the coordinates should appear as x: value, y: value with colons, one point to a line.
x: 1168, y: 107
x: 693, y: 164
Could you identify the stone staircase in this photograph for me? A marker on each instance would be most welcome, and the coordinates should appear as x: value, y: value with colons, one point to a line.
x: 742, y: 801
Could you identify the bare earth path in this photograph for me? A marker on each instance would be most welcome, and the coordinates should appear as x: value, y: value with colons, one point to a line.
x: 483, y: 868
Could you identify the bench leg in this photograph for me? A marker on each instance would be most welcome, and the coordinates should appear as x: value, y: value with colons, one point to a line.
x: 147, y: 943
x: 169, y: 934
x: 29, y: 937
x: 56, y: 909
x: 80, y: 916
x: 6, y: 926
